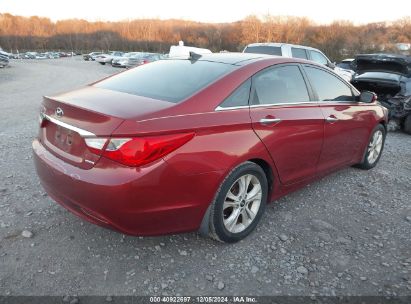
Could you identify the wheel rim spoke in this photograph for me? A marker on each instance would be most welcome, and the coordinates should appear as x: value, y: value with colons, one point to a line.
x: 231, y: 195
x: 242, y: 186
x: 250, y: 214
x: 248, y: 178
x: 232, y: 219
x: 255, y: 193
x: 229, y: 204
x: 379, y: 140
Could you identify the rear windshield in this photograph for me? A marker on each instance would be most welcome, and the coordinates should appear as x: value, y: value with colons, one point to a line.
x: 264, y: 49
x: 169, y: 80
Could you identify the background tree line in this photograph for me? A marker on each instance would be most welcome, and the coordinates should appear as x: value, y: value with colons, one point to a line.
x: 339, y: 39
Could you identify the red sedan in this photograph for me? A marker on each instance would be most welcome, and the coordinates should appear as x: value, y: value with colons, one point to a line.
x: 202, y: 143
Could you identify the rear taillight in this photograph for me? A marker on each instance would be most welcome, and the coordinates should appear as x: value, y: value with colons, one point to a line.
x: 137, y: 151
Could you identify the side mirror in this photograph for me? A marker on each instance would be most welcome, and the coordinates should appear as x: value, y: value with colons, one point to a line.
x: 330, y: 65
x: 368, y: 97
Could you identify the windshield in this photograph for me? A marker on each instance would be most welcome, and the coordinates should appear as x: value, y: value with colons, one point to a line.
x: 264, y: 49
x: 169, y: 80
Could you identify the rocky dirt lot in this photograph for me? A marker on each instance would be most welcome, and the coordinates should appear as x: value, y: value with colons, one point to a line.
x: 347, y: 234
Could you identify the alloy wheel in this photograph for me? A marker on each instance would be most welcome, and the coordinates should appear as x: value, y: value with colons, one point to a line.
x: 242, y: 203
x: 375, y: 146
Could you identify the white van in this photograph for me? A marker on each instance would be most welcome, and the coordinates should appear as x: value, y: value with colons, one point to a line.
x: 296, y: 51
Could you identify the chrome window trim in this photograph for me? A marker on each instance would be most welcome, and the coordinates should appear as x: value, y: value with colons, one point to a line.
x: 283, y: 104
x: 219, y: 108
x: 81, y: 132
x: 318, y: 103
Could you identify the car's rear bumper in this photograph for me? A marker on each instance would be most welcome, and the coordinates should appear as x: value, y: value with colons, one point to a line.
x: 151, y: 200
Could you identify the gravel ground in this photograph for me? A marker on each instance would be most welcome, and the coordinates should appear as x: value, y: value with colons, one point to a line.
x: 347, y: 234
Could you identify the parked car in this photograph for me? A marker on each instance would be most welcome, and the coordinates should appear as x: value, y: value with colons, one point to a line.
x: 4, y: 59
x: 52, y: 55
x: 346, y: 64
x: 143, y: 59
x: 202, y: 143
x: 91, y: 56
x: 123, y: 61
x: 41, y: 56
x: 29, y: 55
x: 389, y: 76
x: 296, y: 51
x: 107, y: 58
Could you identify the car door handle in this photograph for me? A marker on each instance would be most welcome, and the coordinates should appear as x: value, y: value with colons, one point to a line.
x: 269, y: 121
x: 331, y: 119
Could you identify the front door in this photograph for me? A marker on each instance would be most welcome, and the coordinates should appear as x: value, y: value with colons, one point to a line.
x: 346, y: 120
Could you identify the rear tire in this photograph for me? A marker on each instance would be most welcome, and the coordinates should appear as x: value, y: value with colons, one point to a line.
x: 239, y: 203
x: 374, y: 148
x: 407, y: 124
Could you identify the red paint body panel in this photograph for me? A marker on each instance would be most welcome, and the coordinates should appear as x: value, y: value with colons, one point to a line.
x: 172, y: 194
x: 129, y: 200
x: 345, y: 139
x: 295, y: 142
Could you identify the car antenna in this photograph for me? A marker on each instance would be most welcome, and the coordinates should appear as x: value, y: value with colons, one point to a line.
x: 194, y: 56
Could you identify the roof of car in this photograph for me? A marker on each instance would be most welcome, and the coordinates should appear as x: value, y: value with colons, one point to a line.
x: 280, y: 44
x: 234, y: 58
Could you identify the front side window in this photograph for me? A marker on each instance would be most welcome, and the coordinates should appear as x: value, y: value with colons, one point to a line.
x: 318, y: 57
x: 327, y: 86
x: 282, y: 84
x: 239, y: 97
x: 299, y: 53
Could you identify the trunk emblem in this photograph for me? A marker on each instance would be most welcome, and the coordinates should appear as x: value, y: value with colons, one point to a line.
x: 59, y: 112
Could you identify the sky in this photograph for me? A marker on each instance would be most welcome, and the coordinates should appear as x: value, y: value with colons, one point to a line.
x: 323, y: 12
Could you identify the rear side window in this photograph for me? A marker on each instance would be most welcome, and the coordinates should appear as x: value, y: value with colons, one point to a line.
x: 328, y: 87
x: 169, y: 80
x: 299, y: 53
x: 283, y: 84
x: 264, y: 49
x: 239, y: 97
x: 318, y: 57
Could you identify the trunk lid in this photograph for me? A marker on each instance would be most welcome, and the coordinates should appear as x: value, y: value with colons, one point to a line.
x: 389, y: 63
x: 67, y: 119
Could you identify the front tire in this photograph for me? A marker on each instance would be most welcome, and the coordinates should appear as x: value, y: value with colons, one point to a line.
x: 239, y: 203
x: 374, y: 148
x: 407, y: 124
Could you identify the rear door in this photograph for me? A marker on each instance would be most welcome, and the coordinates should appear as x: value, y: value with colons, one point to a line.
x: 346, y: 120
x: 287, y: 121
